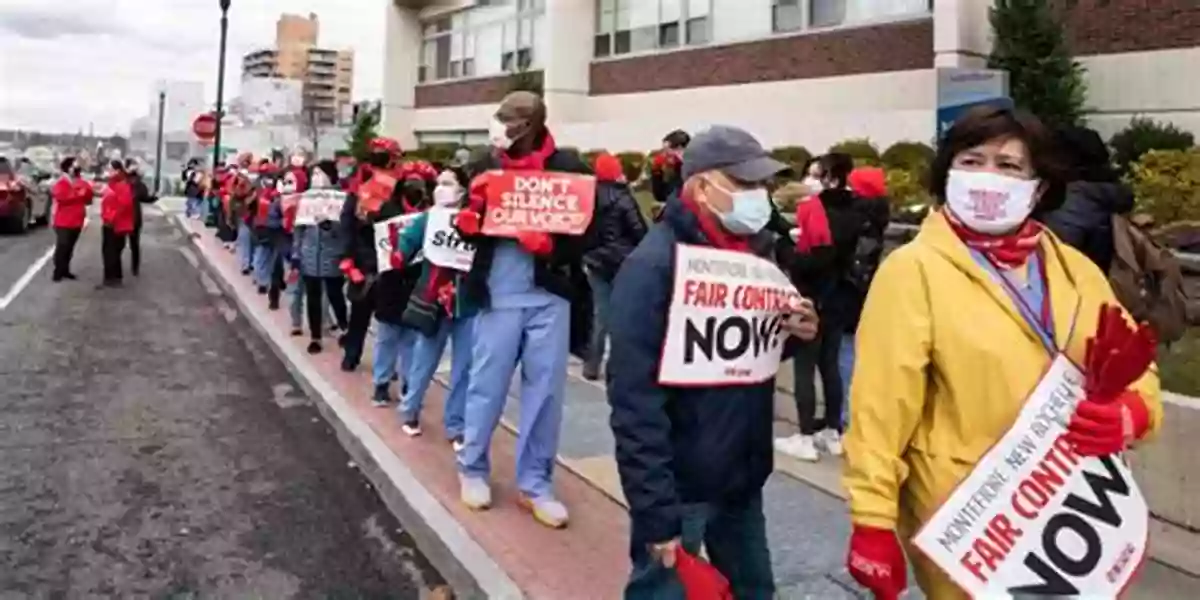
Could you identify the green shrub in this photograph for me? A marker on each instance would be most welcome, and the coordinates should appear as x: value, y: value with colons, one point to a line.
x: 632, y: 164
x: 907, y: 190
x: 910, y: 156
x: 1143, y: 135
x: 861, y: 150
x: 590, y: 157
x: 794, y: 156
x: 1167, y: 185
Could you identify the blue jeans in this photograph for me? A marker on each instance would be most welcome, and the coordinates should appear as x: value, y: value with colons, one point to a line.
x: 735, y: 537
x: 296, y: 304
x: 601, y: 291
x: 393, y: 345
x: 846, y: 368
x: 264, y: 263
x: 193, y: 207
x: 540, y: 338
x: 244, y: 245
x: 427, y: 353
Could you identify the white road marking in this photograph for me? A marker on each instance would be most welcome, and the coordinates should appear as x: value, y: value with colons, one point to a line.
x: 23, y: 282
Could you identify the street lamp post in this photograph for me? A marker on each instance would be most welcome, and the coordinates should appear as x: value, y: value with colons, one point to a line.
x: 158, y: 147
x: 210, y: 220
x: 221, y: 82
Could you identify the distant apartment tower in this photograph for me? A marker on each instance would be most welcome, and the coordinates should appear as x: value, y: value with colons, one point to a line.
x: 327, y: 74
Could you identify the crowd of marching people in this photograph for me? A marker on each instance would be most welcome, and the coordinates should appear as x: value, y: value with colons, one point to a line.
x: 924, y: 358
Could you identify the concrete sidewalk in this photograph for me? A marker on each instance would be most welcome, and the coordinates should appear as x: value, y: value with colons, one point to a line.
x: 502, y: 552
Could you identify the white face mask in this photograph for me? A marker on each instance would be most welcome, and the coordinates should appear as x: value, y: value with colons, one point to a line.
x: 445, y: 195
x: 498, y: 135
x: 297, y: 161
x: 286, y: 187
x: 813, y: 183
x: 988, y: 202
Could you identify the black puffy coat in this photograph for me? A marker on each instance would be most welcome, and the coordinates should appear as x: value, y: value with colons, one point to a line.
x: 619, y: 227
x: 391, y: 289
x: 1084, y: 220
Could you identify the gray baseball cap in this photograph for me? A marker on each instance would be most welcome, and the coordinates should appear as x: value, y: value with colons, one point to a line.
x: 732, y: 151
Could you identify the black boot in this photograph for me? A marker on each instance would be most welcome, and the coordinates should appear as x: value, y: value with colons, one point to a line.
x: 381, y: 397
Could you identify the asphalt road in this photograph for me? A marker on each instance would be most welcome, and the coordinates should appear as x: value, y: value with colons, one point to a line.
x: 152, y: 446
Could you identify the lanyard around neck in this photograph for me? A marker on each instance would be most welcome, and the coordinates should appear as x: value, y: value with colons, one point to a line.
x: 1042, y: 321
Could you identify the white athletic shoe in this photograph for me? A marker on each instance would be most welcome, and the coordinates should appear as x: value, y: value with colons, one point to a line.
x: 800, y: 447
x: 831, y: 441
x: 475, y: 492
x: 546, y: 510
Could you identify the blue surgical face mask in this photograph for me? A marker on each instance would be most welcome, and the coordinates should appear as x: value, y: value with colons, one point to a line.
x: 750, y: 213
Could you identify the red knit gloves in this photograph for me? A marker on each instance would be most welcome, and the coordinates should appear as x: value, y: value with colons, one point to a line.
x: 1112, y: 417
x: 876, y: 562
x: 468, y: 222
x: 537, y: 243
x: 351, y: 272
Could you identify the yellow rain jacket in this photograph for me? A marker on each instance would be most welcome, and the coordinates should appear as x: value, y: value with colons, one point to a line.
x: 945, y: 362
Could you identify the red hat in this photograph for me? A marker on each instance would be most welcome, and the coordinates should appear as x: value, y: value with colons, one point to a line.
x: 385, y: 144
x: 868, y: 182
x: 608, y: 168
x: 418, y: 169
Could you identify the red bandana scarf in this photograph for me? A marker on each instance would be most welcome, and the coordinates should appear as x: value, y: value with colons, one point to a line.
x: 1008, y: 251
x: 534, y: 161
x: 713, y: 232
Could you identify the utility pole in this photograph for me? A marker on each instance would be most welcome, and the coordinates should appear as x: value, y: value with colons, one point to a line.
x: 158, y: 147
x: 211, y: 220
x: 224, y: 4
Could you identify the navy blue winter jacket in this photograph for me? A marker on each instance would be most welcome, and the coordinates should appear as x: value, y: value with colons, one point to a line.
x: 676, y: 445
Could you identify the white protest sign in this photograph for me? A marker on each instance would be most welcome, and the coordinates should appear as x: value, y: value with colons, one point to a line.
x: 726, y: 316
x: 319, y: 205
x: 383, y: 243
x: 443, y: 246
x: 1035, y: 519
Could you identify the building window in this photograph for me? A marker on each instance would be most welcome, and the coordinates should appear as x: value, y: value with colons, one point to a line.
x: 494, y: 37
x: 831, y: 13
x: 631, y: 26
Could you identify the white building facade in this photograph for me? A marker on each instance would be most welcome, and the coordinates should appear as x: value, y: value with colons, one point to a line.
x: 618, y: 74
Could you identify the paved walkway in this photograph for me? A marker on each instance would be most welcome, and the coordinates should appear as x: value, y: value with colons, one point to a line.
x: 807, y: 515
x: 128, y: 470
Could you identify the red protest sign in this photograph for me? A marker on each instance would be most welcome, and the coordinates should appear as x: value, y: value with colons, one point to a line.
x: 560, y: 203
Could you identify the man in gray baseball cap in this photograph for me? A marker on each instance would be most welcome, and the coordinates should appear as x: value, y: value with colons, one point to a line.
x: 692, y: 458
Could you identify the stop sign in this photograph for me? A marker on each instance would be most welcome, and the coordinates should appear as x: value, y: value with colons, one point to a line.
x: 205, y: 127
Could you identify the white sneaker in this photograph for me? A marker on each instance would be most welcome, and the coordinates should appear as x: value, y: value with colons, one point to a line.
x: 546, y: 510
x: 475, y: 492
x: 785, y: 445
x: 831, y: 441
x: 801, y: 447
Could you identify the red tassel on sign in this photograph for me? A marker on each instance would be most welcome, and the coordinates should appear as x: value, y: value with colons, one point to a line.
x: 701, y: 581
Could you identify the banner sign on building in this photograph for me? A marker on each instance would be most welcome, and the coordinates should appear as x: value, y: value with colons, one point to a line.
x: 542, y: 201
x: 725, y: 322
x: 959, y: 90
x: 315, y: 206
x: 383, y: 240
x: 443, y: 245
x: 1034, y: 518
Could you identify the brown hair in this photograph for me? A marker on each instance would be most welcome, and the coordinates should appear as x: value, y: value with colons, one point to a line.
x: 982, y: 124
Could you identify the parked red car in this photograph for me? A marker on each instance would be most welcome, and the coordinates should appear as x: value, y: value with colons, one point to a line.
x: 24, y: 198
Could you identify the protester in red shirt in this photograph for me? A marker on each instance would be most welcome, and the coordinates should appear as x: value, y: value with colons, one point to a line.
x: 117, y: 213
x: 71, y: 195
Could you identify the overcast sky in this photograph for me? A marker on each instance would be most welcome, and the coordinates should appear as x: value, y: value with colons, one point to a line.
x: 67, y: 63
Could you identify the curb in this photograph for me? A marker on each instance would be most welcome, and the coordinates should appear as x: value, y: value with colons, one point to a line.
x: 439, y: 536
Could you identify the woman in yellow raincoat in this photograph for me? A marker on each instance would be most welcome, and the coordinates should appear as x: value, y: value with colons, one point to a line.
x: 958, y: 328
